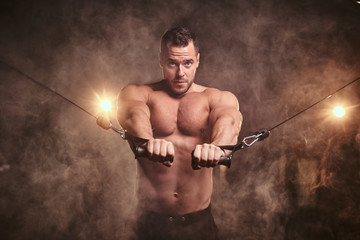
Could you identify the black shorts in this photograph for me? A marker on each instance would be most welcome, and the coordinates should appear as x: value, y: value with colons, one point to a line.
x: 198, y: 225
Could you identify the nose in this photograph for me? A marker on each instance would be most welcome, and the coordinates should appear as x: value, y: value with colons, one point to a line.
x: 180, y: 71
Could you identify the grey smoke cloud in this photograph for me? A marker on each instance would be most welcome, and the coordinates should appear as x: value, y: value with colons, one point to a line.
x: 63, y: 177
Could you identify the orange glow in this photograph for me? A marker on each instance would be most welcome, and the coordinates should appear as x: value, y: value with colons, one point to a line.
x: 106, y: 105
x: 339, y: 111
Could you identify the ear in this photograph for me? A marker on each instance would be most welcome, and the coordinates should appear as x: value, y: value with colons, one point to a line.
x: 198, y: 59
x: 161, y: 60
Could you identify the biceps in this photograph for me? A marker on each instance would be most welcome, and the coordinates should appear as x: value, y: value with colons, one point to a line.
x: 226, y: 109
x: 132, y: 109
x: 132, y: 102
x: 226, y: 116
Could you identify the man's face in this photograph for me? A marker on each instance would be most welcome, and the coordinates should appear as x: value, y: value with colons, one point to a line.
x: 179, y: 66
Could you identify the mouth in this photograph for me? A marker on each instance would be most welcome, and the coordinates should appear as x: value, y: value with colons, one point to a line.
x: 179, y: 83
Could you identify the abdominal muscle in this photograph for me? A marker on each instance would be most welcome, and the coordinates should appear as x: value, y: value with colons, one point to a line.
x: 177, y: 189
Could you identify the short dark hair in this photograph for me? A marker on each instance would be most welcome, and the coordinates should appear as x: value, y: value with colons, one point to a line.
x: 180, y: 37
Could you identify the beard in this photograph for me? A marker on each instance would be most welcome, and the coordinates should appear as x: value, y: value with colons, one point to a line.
x: 180, y: 86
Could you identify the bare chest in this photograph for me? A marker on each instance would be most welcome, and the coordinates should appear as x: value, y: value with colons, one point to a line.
x: 188, y: 115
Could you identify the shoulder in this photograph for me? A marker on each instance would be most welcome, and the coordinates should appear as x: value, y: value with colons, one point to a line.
x: 218, y: 97
x: 135, y: 88
x: 140, y: 91
x: 134, y: 92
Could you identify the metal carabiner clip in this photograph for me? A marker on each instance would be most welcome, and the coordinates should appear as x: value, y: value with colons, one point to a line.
x: 258, y: 136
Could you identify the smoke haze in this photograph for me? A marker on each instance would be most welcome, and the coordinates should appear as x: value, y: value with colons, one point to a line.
x: 63, y: 177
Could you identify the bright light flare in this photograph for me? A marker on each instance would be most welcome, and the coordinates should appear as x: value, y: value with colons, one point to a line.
x: 339, y: 111
x: 106, y: 105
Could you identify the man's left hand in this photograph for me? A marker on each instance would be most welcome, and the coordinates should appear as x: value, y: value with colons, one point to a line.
x: 207, y: 155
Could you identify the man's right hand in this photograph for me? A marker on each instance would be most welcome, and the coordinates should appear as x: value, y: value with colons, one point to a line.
x: 161, y: 151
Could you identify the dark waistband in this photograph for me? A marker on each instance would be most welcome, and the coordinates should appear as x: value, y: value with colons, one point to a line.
x: 194, y: 216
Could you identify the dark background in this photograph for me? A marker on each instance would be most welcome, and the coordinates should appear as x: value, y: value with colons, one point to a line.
x: 63, y: 177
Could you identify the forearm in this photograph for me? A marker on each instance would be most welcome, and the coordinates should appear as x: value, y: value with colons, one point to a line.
x: 137, y: 122
x: 133, y: 112
x: 226, y: 128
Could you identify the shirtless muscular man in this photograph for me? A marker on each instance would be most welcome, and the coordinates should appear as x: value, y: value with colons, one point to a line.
x: 178, y: 116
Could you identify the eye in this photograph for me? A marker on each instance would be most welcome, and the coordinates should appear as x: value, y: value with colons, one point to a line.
x: 188, y: 64
x: 172, y: 64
